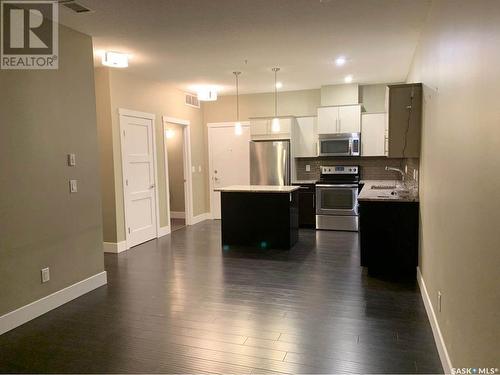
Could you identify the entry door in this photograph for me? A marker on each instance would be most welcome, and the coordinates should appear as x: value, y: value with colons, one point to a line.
x: 230, y: 161
x: 139, y: 179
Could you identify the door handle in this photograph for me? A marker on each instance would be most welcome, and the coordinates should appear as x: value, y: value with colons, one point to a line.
x: 152, y: 186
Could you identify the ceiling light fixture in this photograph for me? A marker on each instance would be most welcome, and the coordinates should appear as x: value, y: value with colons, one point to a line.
x: 340, y: 61
x: 238, y: 130
x: 348, y: 79
x: 207, y: 93
x: 279, y: 85
x: 115, y: 59
x: 275, y: 124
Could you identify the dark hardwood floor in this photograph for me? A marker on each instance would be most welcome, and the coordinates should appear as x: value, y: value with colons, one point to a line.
x: 181, y: 305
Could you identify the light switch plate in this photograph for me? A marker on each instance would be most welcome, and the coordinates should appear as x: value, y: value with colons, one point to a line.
x: 199, y: 168
x: 71, y: 160
x: 45, y: 274
x: 193, y: 168
x: 73, y: 186
x: 308, y: 168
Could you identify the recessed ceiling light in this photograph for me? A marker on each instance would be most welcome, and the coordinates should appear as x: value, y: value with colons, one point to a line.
x: 115, y: 59
x: 341, y: 60
x: 279, y: 85
x: 348, y: 79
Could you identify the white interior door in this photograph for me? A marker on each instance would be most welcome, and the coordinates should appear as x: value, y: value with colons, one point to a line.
x: 230, y: 161
x: 139, y: 177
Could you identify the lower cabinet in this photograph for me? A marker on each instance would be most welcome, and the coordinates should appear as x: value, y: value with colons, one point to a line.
x: 307, y: 205
x: 389, y: 238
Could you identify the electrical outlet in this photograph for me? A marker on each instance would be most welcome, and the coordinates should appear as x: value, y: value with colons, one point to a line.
x: 439, y: 301
x: 308, y: 168
x: 45, y: 274
x: 71, y: 160
x: 73, y: 186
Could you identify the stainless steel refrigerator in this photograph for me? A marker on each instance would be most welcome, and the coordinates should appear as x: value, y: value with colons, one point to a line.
x: 270, y: 162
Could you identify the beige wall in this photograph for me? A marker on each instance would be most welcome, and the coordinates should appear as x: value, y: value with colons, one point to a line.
x: 134, y: 93
x: 458, y: 61
x: 339, y: 94
x: 373, y: 97
x: 44, y: 115
x: 106, y: 164
x: 175, y: 167
x: 296, y: 103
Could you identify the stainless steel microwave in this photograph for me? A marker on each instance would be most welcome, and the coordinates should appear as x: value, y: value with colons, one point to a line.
x: 345, y: 144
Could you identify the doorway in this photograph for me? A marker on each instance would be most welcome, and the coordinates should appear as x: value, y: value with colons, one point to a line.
x: 176, y: 137
x: 175, y: 158
x: 140, y: 193
x: 229, y: 159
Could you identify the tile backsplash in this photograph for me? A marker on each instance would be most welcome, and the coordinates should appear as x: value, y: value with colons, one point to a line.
x: 372, y: 168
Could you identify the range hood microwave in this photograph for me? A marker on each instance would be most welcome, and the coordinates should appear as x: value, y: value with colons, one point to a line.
x: 345, y: 144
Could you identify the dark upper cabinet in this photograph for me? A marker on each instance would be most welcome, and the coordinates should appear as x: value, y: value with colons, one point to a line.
x: 404, y: 120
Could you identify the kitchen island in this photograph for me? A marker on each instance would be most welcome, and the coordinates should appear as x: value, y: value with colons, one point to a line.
x: 259, y: 216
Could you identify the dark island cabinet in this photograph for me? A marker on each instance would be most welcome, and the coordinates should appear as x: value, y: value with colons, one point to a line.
x: 389, y: 238
x: 307, y: 205
x: 264, y: 220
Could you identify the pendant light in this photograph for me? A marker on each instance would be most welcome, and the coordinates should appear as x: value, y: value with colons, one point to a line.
x: 238, y: 130
x: 275, y: 124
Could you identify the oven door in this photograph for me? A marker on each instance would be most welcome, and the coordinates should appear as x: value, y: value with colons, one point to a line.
x: 334, y: 147
x: 337, y: 199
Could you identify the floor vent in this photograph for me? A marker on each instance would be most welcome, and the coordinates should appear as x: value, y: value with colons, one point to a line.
x: 192, y: 101
x: 75, y: 6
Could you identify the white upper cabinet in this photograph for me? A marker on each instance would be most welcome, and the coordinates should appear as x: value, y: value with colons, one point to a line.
x: 373, y: 134
x: 305, y: 137
x: 350, y: 119
x: 261, y: 129
x: 328, y: 118
x: 339, y: 119
x: 284, y: 128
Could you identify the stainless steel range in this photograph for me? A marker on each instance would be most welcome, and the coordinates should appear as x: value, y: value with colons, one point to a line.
x: 337, y: 198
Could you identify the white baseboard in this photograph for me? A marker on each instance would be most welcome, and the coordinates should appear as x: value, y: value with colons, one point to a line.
x: 177, y: 215
x: 113, y: 247
x: 33, y: 310
x: 163, y: 231
x: 200, y: 218
x: 436, y: 331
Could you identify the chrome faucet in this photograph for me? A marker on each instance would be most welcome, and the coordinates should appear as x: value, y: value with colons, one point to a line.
x: 396, y: 170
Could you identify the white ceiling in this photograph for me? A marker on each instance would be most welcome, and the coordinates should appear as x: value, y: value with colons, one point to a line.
x: 189, y: 42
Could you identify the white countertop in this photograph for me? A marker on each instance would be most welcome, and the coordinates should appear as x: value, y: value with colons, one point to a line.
x: 304, y: 181
x: 258, y: 189
x: 369, y: 194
